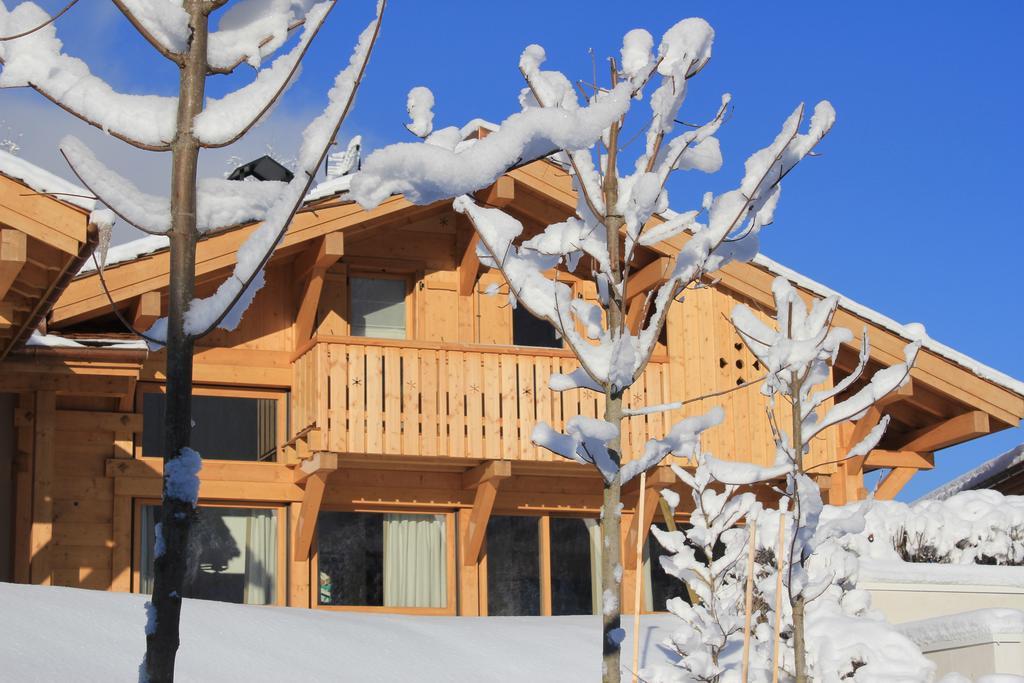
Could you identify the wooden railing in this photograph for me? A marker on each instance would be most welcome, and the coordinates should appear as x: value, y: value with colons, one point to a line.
x: 379, y: 396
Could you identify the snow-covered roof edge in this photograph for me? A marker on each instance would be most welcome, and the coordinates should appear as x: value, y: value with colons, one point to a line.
x: 983, y: 472
x: 976, y: 367
x: 41, y: 180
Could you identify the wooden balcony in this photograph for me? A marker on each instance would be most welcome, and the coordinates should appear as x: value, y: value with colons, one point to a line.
x: 384, y: 397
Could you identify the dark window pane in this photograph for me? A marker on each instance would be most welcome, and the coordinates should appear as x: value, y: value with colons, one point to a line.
x: 231, y: 557
x: 513, y: 566
x: 225, y: 427
x: 664, y: 586
x: 570, y: 567
x: 351, y: 556
x: 530, y: 331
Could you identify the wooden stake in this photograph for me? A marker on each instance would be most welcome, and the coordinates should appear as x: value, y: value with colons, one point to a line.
x: 639, y: 583
x: 749, y: 606
x: 779, y: 552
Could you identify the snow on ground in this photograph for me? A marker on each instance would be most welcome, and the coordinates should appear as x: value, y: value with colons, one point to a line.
x: 51, y: 633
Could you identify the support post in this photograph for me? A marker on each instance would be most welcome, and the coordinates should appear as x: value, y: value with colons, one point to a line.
x: 485, y: 479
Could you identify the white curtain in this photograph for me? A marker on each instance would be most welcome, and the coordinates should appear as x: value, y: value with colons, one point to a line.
x: 260, y: 557
x: 415, y: 561
x: 596, y: 593
x: 148, y: 524
x: 646, y: 573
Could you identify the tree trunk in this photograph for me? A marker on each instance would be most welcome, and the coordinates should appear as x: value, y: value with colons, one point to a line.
x: 162, y: 638
x: 799, y: 648
x: 797, y: 602
x: 611, y: 561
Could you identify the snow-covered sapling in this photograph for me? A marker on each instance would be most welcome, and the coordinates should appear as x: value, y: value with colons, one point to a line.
x: 619, y: 191
x: 248, y: 32
x: 798, y: 353
x: 707, y: 557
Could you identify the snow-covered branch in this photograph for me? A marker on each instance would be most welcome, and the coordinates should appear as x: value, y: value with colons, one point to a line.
x: 225, y: 307
x: 225, y: 120
x: 37, y: 61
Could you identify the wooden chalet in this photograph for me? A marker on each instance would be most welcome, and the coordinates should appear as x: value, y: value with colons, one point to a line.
x: 365, y: 430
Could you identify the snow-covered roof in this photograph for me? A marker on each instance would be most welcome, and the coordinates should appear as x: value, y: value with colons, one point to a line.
x: 983, y: 472
x: 55, y: 341
x: 978, y: 625
x: 43, y: 181
x: 148, y: 245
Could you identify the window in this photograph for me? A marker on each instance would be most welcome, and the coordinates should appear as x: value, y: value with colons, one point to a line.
x: 513, y: 566
x: 224, y: 427
x: 377, y: 307
x: 659, y: 585
x: 232, y: 554
x: 514, y: 569
x: 528, y: 330
x: 384, y: 560
x: 574, y: 573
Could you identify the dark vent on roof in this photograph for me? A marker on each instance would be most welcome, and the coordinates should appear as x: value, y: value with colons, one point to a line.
x: 263, y: 168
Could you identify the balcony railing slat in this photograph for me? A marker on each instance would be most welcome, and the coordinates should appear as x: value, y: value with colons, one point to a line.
x: 424, y: 399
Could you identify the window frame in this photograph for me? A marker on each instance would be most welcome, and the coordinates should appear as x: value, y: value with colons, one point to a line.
x: 451, y: 568
x: 285, y: 568
x: 410, y: 299
x: 281, y: 396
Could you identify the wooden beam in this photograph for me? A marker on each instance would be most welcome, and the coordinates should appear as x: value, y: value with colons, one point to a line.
x: 485, y: 479
x: 146, y: 311
x: 948, y: 433
x: 635, y: 313
x: 42, y: 498
x: 652, y: 494
x: 894, y: 482
x: 469, y: 266
x: 311, y: 500
x: 904, y: 393
x: 13, y: 254
x: 884, y: 459
x: 650, y: 276
x: 6, y: 315
x: 497, y: 469
x: 320, y: 258
x: 320, y: 462
x: 500, y: 194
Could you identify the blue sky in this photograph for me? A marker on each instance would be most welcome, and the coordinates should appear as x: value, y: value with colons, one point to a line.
x: 911, y: 209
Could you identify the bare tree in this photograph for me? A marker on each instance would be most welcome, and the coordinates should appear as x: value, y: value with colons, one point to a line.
x: 613, y: 220
x: 249, y: 32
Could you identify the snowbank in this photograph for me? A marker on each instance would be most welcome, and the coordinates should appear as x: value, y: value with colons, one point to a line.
x: 81, y: 635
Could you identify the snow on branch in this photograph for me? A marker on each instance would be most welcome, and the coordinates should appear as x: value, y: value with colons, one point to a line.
x: 424, y: 172
x: 220, y: 203
x: 164, y: 23
x: 682, y: 440
x: 225, y: 120
x: 250, y: 30
x: 225, y: 307
x: 37, y: 61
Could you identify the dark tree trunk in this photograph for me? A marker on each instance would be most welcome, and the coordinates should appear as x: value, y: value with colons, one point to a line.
x: 176, y: 515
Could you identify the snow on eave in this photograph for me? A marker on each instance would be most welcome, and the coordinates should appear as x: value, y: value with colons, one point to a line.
x: 980, y: 625
x: 984, y: 472
x: 43, y: 181
x: 128, y: 251
x: 871, y: 315
x: 963, y: 360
